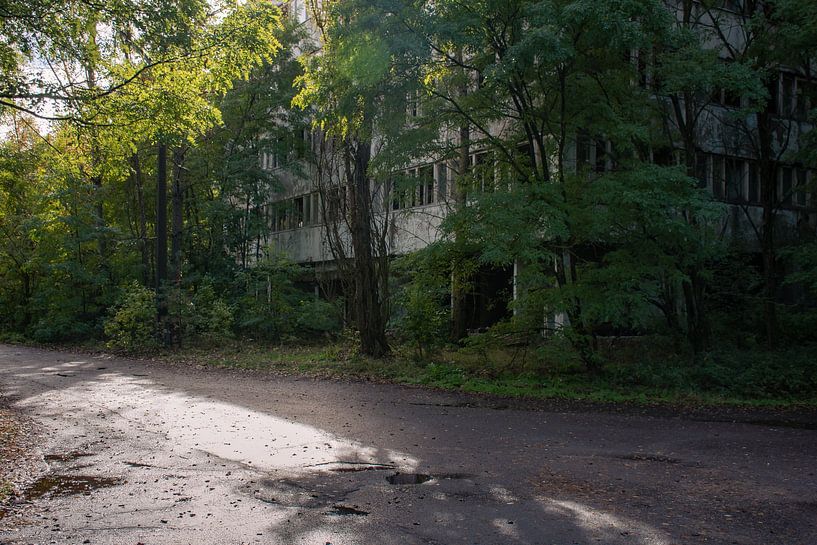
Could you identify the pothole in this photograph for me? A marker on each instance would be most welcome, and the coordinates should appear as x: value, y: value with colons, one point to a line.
x: 408, y: 478
x: 68, y: 485
x: 346, y: 511
x: 420, y: 478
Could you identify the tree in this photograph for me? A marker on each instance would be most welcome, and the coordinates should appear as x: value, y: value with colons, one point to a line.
x: 356, y: 87
x: 772, y: 45
x: 151, y: 77
x: 560, y: 134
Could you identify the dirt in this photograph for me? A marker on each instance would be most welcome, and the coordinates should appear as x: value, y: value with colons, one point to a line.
x: 20, y: 459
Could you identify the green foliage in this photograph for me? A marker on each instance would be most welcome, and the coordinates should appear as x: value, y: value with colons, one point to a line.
x: 420, y: 312
x: 271, y: 307
x: 753, y: 374
x: 213, y: 317
x: 200, y: 315
x: 315, y: 316
x: 804, y: 259
x: 131, y: 326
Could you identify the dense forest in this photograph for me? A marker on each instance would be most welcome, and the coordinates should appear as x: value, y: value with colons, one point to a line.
x: 134, y: 201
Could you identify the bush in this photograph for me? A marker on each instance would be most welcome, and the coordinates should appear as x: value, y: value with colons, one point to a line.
x: 210, y: 316
x: 57, y: 327
x: 420, y: 314
x: 317, y: 316
x: 131, y: 326
x: 789, y: 374
x: 271, y: 307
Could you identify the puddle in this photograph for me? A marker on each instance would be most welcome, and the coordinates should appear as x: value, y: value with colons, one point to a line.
x: 67, y: 485
x: 420, y: 478
x: 66, y: 456
x: 408, y: 478
x: 346, y: 511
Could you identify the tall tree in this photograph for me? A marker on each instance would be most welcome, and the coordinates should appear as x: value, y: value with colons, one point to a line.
x: 357, y: 88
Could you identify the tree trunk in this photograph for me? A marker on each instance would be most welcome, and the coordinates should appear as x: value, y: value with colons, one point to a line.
x: 368, y: 304
x: 177, y: 206
x: 694, y: 287
x: 136, y: 169
x: 459, y: 280
x: 768, y: 197
x: 161, y: 241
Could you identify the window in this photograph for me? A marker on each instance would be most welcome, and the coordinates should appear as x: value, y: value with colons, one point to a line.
x: 394, y: 195
x: 442, y: 181
x: 754, y: 184
x: 718, y: 176
x: 523, y: 152
x: 483, y: 171
x: 402, y: 196
x: 307, y: 210
x: 298, y: 213
x: 601, y: 155
x: 426, y: 183
x: 701, y: 169
x: 591, y: 153
x: 786, y: 180
x: 332, y: 204
x: 642, y: 65
x: 414, y: 107
x: 727, y: 97
x: 806, y: 99
x: 734, y: 180
x: 267, y: 160
x: 800, y: 188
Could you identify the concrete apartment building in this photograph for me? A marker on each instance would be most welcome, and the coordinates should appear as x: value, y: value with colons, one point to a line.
x: 726, y: 165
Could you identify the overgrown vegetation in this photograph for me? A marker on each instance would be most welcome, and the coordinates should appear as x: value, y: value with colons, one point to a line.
x: 145, y: 214
x: 647, y: 372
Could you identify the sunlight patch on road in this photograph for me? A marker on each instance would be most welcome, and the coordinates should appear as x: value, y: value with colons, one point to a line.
x: 261, y: 440
x: 605, y: 527
x: 227, y: 431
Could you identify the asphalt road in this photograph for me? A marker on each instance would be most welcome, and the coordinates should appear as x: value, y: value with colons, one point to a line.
x: 147, y: 453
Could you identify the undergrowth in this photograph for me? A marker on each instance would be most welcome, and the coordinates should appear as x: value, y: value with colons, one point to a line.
x: 734, y: 377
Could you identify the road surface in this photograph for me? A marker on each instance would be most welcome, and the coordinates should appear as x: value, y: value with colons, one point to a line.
x: 144, y: 452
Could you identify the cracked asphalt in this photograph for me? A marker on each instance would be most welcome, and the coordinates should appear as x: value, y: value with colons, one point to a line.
x: 146, y: 453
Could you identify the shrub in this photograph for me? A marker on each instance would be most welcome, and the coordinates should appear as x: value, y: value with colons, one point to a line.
x: 271, y: 307
x: 131, y: 326
x: 317, y: 316
x: 420, y: 314
x: 211, y: 317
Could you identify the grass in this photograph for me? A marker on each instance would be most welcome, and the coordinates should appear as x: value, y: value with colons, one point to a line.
x: 734, y: 379
x: 641, y: 371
